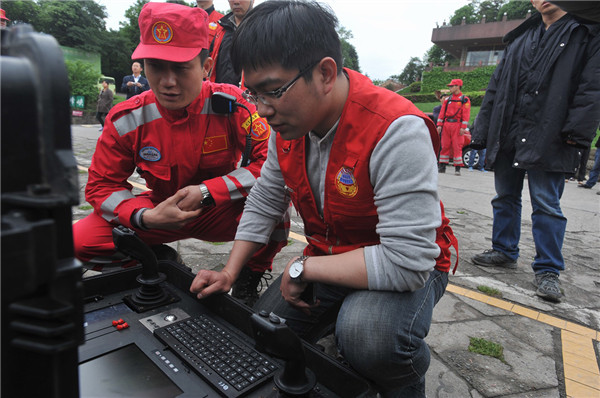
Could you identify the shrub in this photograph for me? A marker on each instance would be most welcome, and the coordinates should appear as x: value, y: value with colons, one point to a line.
x: 84, y: 81
x: 414, y: 87
x: 475, y: 80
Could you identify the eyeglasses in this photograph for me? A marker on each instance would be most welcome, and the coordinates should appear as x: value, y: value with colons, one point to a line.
x: 253, y: 98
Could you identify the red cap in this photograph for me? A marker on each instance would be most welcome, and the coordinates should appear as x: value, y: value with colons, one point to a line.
x: 171, y: 32
x: 455, y: 82
x: 3, y: 15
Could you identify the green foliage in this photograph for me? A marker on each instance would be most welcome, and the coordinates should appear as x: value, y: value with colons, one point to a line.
x: 349, y: 54
x: 414, y: 87
x: 475, y: 80
x: 486, y: 347
x: 515, y: 9
x: 438, y: 56
x: 492, y: 10
x: 476, y: 97
x: 490, y: 291
x: 468, y: 12
x: 83, y: 81
x: 411, y: 72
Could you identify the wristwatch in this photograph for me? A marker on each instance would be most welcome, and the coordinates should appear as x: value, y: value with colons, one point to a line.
x: 297, y: 268
x: 207, y: 199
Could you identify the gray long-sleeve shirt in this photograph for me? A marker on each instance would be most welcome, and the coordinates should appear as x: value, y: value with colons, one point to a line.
x: 403, y: 173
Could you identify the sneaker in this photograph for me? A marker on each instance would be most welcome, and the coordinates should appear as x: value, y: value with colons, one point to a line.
x: 442, y: 168
x: 548, y: 286
x: 101, y: 128
x: 493, y: 258
x: 457, y: 170
x: 470, y: 169
x: 483, y: 170
x: 246, y: 287
x: 584, y: 186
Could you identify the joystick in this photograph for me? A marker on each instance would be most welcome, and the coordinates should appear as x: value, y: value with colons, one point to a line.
x: 150, y: 294
x: 276, y: 338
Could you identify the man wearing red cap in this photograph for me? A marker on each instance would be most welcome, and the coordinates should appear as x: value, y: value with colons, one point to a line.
x: 453, y: 122
x: 3, y: 19
x: 185, y: 151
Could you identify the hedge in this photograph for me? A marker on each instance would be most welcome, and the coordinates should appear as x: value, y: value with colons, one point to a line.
x: 476, y: 97
x: 475, y: 80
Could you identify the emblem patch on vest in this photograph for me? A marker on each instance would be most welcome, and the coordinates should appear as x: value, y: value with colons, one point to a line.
x: 346, y: 183
x: 212, y: 26
x: 150, y: 154
x: 215, y: 144
x: 260, y: 128
x: 162, y: 32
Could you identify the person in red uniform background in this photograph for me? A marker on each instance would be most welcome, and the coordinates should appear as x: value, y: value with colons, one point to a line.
x: 452, y: 123
x: 213, y: 17
x: 186, y: 152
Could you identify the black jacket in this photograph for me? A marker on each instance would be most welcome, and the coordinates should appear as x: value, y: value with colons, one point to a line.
x: 134, y: 90
x: 224, y: 70
x: 560, y: 99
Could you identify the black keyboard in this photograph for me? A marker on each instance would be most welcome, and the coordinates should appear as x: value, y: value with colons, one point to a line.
x: 220, y: 357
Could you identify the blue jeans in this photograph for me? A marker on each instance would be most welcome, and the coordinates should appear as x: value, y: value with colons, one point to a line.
x: 380, y: 333
x: 595, y: 172
x: 481, y: 157
x: 548, y: 221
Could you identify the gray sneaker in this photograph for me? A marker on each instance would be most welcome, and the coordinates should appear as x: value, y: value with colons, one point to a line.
x: 548, y: 286
x: 493, y: 258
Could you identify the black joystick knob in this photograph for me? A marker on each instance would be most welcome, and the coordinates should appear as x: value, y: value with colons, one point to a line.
x: 150, y: 294
x: 276, y: 338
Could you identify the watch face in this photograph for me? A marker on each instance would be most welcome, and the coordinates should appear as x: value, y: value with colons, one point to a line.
x: 296, y: 269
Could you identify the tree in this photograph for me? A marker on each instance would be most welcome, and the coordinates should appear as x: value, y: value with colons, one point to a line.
x: 411, y: 72
x: 468, y: 12
x: 515, y: 9
x: 130, y: 28
x: 349, y: 54
x: 182, y: 2
x: 437, y: 56
x: 21, y: 11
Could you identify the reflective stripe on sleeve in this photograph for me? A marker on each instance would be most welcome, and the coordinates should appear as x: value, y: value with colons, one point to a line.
x: 110, y: 204
x: 136, y: 118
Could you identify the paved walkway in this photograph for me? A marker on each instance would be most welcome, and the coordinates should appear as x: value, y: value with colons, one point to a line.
x: 549, y: 350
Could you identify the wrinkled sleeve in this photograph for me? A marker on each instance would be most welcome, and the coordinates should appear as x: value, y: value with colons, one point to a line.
x: 404, y: 176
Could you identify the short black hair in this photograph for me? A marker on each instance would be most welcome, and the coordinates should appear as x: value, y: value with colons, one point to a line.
x: 292, y: 33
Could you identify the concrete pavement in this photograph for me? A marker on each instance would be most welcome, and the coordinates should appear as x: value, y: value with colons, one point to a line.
x: 549, y: 350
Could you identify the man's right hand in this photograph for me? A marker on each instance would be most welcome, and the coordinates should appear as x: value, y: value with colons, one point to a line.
x: 210, y: 282
x: 130, y: 83
x: 167, y: 215
x: 439, y: 129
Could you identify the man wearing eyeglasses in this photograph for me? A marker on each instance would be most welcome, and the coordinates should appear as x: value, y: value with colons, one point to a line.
x: 358, y: 163
x: 186, y: 153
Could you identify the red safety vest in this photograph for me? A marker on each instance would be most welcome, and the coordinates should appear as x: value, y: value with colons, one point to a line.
x: 349, y: 214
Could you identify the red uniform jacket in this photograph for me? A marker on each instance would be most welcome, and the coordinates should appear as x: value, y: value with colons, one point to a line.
x: 349, y: 212
x: 213, y: 25
x: 171, y: 150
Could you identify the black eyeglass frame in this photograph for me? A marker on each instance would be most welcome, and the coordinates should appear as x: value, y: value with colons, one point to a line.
x: 278, y: 93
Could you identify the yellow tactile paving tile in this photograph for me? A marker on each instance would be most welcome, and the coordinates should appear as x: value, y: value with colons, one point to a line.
x: 584, y: 377
x: 552, y: 321
x: 505, y: 305
x: 517, y: 309
x: 578, y: 390
x: 577, y: 361
x: 582, y: 330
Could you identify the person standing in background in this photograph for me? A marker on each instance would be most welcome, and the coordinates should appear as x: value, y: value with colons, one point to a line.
x: 540, y: 110
x: 223, y: 70
x: 105, y: 102
x: 213, y: 17
x: 454, y: 121
x: 136, y: 83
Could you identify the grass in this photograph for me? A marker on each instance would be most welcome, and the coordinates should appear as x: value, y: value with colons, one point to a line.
x: 85, y: 207
x: 486, y: 347
x: 490, y: 291
x: 217, y: 243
